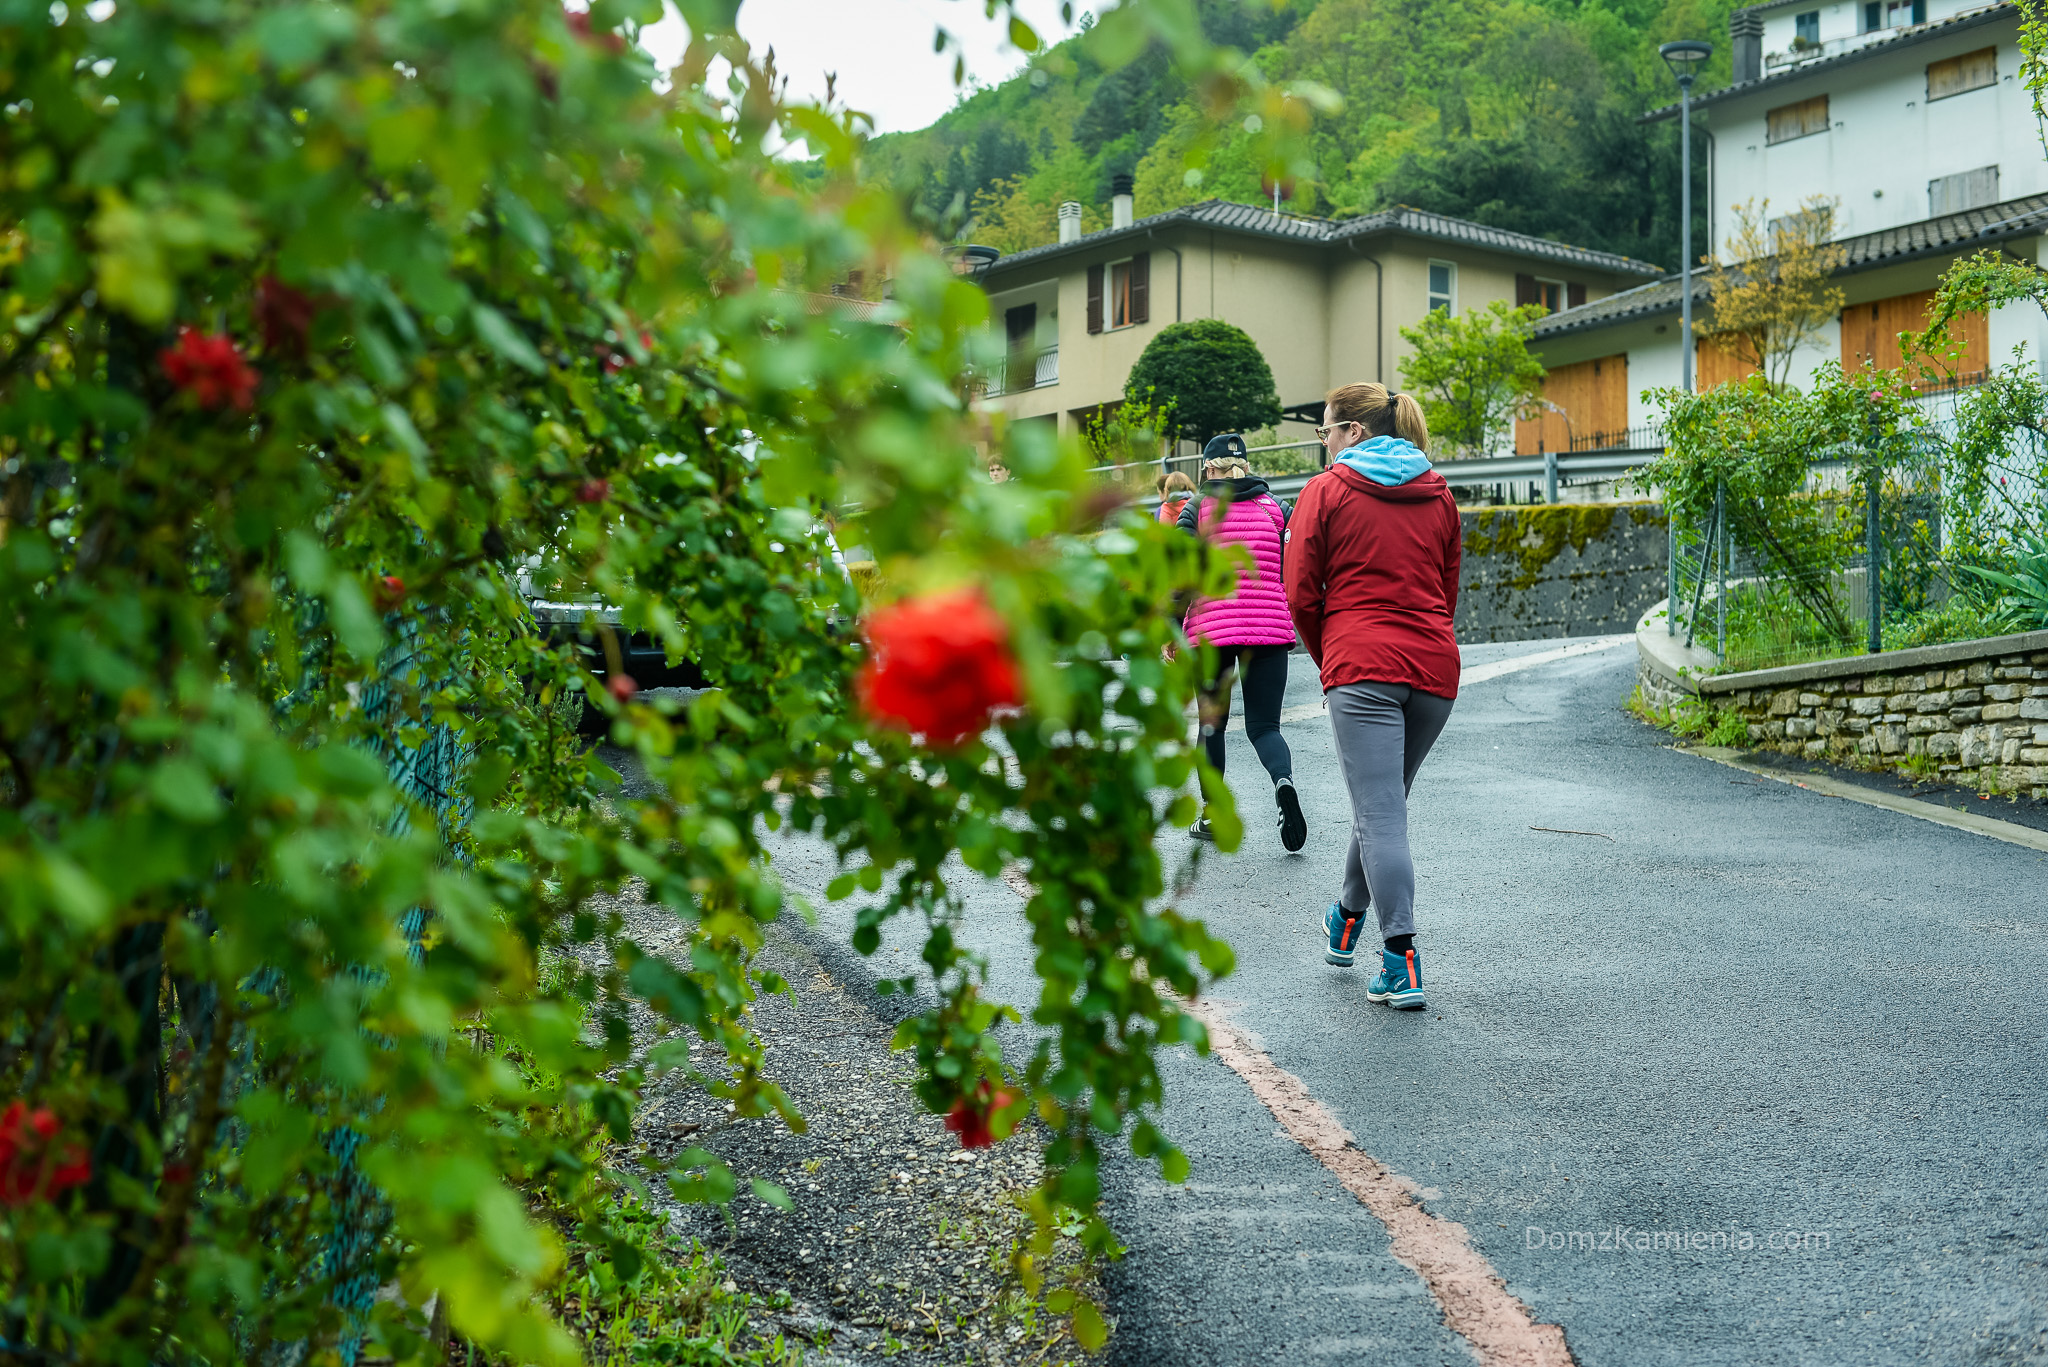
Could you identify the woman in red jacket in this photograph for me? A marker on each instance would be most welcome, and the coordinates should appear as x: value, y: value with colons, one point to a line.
x: 1372, y: 583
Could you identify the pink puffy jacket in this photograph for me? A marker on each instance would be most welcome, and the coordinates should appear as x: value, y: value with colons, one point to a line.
x: 1257, y: 614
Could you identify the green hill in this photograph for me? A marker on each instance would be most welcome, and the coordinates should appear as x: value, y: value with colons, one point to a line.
x: 1523, y: 114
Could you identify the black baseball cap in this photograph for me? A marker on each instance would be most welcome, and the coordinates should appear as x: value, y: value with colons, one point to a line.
x: 1229, y: 446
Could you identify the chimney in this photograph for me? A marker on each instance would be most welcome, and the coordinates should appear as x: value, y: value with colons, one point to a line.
x: 1746, y: 44
x: 1120, y: 200
x: 1070, y: 221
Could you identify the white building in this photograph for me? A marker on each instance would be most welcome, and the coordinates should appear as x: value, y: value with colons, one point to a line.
x: 1913, y: 116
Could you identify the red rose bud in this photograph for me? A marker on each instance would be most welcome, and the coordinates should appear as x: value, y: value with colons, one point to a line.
x: 390, y: 590
x: 208, y: 366
x: 32, y: 1168
x: 579, y: 24
x: 937, y: 666
x: 622, y: 687
x: 972, y: 1116
x: 283, y: 315
x: 594, y: 491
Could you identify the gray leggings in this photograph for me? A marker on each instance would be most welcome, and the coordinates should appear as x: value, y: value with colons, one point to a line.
x: 1383, y: 731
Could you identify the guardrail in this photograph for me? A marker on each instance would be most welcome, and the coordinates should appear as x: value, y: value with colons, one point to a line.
x: 1550, y: 467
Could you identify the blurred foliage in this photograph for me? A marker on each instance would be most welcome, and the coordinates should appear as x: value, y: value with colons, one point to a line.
x: 290, y: 821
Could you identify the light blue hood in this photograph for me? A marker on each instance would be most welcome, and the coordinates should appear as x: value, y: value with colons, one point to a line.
x: 1386, y: 460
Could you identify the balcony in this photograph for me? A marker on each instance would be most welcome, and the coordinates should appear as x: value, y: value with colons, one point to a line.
x: 1020, y: 372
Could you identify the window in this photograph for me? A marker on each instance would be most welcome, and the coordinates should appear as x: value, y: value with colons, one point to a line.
x: 1806, y: 30
x: 1884, y: 14
x: 1801, y: 120
x: 1964, y: 190
x: 1803, y: 225
x: 1971, y: 71
x: 1120, y: 293
x: 1443, y: 287
x: 1548, y: 293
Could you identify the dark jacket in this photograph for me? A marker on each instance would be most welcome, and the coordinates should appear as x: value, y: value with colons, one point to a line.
x: 1372, y: 579
x: 1237, y: 490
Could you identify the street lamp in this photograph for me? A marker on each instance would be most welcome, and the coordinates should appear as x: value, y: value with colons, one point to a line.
x: 1684, y: 58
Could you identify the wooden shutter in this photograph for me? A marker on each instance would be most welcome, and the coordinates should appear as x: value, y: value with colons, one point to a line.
x: 1584, y: 405
x: 1574, y: 295
x: 1527, y: 291
x: 1095, y: 298
x: 1870, y: 333
x: 1797, y: 120
x: 1141, y: 288
x: 1718, y: 360
x: 1971, y: 71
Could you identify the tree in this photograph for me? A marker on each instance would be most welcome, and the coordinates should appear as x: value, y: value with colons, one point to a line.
x: 1212, y: 374
x: 1473, y: 372
x: 1778, y: 294
x: 321, y: 331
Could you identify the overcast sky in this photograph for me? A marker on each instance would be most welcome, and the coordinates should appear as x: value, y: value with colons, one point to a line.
x: 881, y: 49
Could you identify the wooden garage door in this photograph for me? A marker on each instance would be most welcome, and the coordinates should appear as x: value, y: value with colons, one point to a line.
x: 1586, y: 402
x: 1870, y: 335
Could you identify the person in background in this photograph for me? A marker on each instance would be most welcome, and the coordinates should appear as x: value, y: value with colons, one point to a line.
x: 1372, y: 581
x: 998, y: 473
x: 1250, y: 630
x: 1175, y: 489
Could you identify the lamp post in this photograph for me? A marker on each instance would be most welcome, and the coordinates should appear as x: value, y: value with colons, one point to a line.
x: 1684, y: 58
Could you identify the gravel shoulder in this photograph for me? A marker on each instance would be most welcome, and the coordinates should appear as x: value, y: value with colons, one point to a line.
x: 2016, y: 808
x: 901, y: 1243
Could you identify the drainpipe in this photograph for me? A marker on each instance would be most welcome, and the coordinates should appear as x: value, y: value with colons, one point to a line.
x: 1379, y: 312
x: 1150, y: 235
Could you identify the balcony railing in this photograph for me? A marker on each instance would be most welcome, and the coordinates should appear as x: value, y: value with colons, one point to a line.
x: 1020, y: 372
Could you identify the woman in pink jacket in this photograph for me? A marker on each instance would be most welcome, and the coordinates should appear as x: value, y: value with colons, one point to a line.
x: 1251, y: 630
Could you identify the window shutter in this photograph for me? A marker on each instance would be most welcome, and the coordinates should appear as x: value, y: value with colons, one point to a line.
x: 1971, y: 71
x: 1095, y: 298
x: 1141, y: 288
x: 1527, y: 291
x: 1574, y: 296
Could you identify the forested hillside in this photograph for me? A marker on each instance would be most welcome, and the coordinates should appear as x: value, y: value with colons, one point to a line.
x: 1524, y: 114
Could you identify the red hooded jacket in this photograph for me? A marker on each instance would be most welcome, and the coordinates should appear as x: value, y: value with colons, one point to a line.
x: 1372, y: 579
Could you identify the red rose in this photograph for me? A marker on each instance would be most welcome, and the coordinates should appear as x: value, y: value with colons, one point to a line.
x: 622, y: 687
x: 594, y: 491
x: 283, y: 315
x: 390, y: 591
x: 937, y: 666
x: 209, y: 366
x: 31, y: 1167
x: 971, y: 1116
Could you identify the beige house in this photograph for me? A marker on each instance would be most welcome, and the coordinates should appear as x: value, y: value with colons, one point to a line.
x: 1324, y: 299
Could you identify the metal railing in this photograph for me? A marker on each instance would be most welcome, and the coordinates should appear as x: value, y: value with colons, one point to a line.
x: 1019, y: 373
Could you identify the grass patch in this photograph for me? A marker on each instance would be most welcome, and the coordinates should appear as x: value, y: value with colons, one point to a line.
x: 1692, y: 719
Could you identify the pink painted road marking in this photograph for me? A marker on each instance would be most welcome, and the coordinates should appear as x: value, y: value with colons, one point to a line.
x: 1475, y: 1301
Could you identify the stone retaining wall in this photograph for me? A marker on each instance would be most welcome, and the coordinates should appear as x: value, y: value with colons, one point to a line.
x: 1976, y: 711
x: 1559, y: 569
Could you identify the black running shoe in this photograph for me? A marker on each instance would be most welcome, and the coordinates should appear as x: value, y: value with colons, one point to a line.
x: 1293, y: 825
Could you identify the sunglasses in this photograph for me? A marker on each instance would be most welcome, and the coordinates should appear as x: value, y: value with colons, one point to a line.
x: 1323, y: 432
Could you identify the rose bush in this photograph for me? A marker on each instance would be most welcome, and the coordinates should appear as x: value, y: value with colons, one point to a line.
x: 322, y: 323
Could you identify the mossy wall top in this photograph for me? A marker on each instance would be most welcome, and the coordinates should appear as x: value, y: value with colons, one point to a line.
x: 1559, y: 569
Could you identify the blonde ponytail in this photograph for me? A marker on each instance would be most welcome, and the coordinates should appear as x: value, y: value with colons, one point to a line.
x: 1379, y: 412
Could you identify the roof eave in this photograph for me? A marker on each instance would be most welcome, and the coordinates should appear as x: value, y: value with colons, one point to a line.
x: 1939, y: 28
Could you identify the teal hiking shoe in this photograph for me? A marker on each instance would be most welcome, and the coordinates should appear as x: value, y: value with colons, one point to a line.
x: 1342, y: 927
x: 1399, y: 983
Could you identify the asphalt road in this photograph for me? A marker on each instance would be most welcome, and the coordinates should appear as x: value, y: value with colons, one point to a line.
x: 1741, y: 1009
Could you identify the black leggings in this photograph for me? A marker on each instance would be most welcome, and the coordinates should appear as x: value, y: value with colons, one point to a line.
x: 1265, y: 686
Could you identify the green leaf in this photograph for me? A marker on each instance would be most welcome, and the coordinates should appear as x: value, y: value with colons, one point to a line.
x: 772, y: 1194
x: 184, y: 789
x: 1089, y: 1330
x: 500, y: 336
